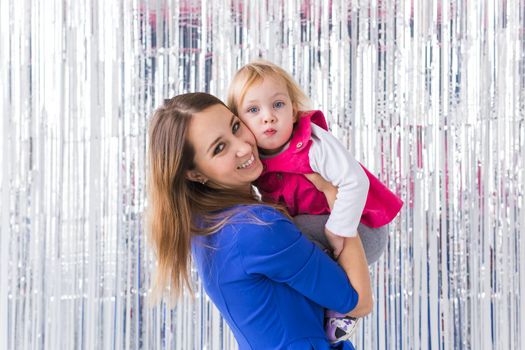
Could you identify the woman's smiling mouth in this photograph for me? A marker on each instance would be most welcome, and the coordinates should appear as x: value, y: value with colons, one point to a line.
x: 247, y: 163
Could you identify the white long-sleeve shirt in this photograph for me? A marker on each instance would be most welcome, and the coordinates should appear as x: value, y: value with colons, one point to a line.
x: 335, y: 164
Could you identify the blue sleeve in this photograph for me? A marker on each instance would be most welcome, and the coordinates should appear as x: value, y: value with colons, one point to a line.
x: 280, y: 252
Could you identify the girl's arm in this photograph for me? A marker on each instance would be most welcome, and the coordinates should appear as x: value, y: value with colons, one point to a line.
x: 329, y: 157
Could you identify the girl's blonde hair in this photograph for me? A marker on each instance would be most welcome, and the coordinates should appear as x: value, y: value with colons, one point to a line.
x: 254, y: 73
x: 178, y: 208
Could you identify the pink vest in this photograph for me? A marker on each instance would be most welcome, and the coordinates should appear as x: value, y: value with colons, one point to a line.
x: 282, y: 180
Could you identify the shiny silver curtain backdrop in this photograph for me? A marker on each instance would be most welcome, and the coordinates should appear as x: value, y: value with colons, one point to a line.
x: 429, y: 95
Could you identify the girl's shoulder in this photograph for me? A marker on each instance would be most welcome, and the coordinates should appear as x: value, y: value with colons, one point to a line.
x: 316, y: 117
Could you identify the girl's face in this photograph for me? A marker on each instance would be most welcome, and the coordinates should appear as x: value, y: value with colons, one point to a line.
x: 225, y: 150
x: 268, y: 111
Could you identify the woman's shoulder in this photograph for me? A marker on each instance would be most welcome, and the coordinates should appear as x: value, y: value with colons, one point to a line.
x: 249, y: 219
x: 257, y: 212
x: 265, y: 225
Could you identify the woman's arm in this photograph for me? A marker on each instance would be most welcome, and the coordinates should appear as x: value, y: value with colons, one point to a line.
x: 373, y: 240
x: 352, y: 259
x: 280, y: 252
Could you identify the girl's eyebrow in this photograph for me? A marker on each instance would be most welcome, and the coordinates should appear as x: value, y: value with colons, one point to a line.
x: 219, y: 138
x: 273, y: 96
x: 278, y: 93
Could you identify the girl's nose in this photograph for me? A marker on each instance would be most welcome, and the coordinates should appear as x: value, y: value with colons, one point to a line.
x: 269, y: 118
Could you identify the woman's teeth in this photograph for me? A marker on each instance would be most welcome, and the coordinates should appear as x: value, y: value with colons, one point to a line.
x: 247, y: 163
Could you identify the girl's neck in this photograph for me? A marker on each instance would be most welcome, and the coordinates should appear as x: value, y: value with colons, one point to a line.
x: 269, y: 154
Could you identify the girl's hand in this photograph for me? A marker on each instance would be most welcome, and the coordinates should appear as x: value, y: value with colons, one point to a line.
x: 329, y: 190
x: 337, y: 242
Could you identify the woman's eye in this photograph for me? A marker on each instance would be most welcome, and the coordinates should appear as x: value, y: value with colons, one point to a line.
x: 218, y: 149
x: 279, y: 104
x: 235, y: 127
x: 252, y: 110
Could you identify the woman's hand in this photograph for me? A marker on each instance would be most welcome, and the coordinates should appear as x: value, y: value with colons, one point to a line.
x: 329, y: 190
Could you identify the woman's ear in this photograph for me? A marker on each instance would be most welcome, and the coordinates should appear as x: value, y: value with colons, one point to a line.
x: 196, y: 176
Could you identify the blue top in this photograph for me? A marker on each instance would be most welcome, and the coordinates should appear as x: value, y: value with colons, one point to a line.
x: 270, y: 283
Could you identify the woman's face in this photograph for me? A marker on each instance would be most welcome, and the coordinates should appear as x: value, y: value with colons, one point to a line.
x: 225, y: 150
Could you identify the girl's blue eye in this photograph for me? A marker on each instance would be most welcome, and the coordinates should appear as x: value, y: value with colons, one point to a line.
x: 278, y: 104
x: 218, y: 149
x: 252, y: 110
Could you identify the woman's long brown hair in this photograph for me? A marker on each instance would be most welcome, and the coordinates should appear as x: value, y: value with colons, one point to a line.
x: 179, y: 208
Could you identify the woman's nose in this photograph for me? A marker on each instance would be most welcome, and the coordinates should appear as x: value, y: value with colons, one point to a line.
x: 244, y: 148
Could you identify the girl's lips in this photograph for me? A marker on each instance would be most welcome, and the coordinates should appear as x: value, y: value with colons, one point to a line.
x: 270, y: 132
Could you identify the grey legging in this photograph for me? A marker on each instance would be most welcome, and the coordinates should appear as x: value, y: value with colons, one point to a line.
x: 373, y: 239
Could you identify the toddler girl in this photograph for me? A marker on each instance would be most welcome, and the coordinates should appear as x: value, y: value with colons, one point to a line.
x: 294, y: 142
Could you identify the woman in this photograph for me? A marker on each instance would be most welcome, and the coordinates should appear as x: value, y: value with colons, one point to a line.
x: 268, y: 281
